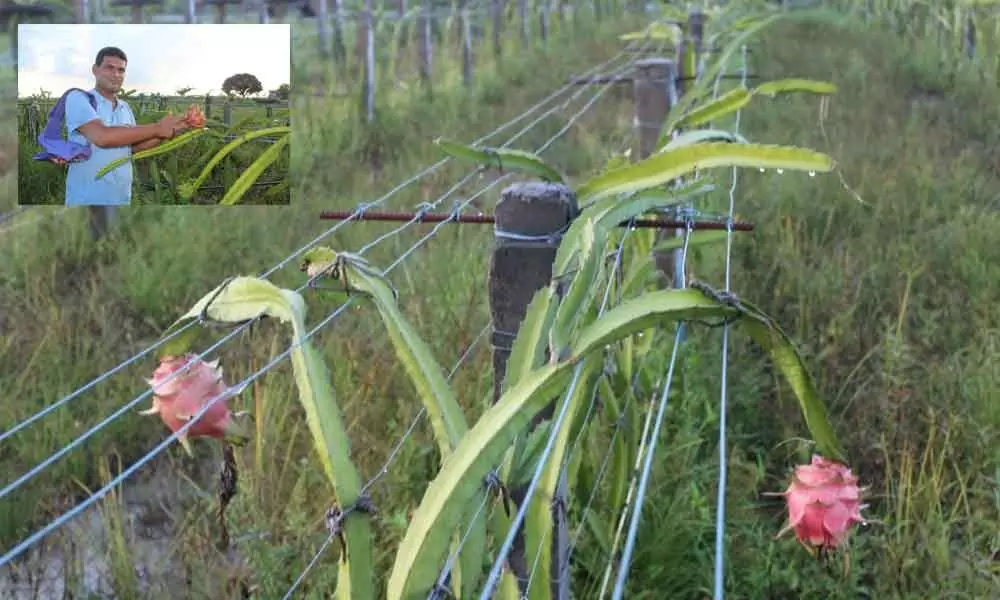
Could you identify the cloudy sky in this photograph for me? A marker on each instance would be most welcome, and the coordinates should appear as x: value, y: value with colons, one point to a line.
x: 161, y: 58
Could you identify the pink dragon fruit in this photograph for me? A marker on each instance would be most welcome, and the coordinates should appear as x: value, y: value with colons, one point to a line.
x: 824, y: 501
x: 180, y: 399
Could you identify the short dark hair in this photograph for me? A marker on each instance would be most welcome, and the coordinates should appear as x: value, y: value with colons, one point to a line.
x: 109, y: 51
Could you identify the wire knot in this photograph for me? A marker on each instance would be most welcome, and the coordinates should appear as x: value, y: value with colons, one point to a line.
x: 335, y: 517
x: 363, y: 207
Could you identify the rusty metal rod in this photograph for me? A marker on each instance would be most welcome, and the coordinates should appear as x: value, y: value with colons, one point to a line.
x: 621, y: 79
x: 341, y: 215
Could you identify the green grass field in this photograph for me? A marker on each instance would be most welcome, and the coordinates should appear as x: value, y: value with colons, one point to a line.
x: 891, y: 298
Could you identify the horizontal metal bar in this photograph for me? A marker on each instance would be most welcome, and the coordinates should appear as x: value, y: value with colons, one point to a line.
x: 484, y: 219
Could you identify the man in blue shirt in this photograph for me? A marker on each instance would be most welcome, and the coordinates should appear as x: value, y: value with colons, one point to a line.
x: 113, y: 133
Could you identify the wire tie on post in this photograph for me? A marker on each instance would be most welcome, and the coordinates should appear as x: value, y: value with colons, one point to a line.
x: 336, y: 516
x: 422, y: 209
x: 362, y: 208
x: 492, y: 482
x: 551, y: 239
x: 456, y: 210
x: 496, y: 343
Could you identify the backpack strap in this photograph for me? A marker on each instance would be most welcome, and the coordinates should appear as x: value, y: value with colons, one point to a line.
x: 51, y: 138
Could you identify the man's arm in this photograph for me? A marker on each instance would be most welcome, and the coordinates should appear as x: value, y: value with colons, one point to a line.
x: 147, y: 144
x: 103, y: 136
x: 139, y: 147
x: 82, y: 117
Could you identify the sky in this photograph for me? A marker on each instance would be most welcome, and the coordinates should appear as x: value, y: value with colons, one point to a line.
x: 162, y: 58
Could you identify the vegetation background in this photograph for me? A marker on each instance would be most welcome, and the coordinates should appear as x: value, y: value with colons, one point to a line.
x: 892, y: 300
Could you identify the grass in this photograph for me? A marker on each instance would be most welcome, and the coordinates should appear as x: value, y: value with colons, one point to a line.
x: 891, y: 300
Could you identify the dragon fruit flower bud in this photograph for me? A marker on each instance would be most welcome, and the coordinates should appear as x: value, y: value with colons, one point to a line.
x: 823, y: 501
x: 177, y: 401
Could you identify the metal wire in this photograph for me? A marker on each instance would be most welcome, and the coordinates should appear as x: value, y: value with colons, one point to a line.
x: 629, y: 548
x: 615, y: 269
x: 358, y: 211
x: 20, y: 548
x: 720, y: 504
x: 384, y: 470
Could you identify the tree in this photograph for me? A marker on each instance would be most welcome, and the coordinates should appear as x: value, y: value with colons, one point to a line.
x: 243, y: 84
x: 184, y: 91
x: 281, y: 93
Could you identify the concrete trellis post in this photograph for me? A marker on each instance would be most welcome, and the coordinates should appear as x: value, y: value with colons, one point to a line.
x: 530, y: 219
x: 368, y: 89
x: 323, y: 29
x: 543, y: 20
x: 651, y: 95
x: 426, y: 57
x: 339, y: 50
x: 466, y: 44
x: 652, y: 101
x: 496, y: 12
x: 522, y: 13
x: 969, y: 39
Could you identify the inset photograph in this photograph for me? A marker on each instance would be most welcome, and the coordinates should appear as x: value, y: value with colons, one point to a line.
x: 153, y: 114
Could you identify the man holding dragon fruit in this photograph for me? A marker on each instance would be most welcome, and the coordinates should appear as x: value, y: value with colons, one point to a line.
x: 106, y: 125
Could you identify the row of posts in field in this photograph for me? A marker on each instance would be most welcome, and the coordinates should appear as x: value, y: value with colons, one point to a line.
x: 534, y: 22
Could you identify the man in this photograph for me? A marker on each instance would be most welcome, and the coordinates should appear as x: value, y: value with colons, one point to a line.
x: 112, y: 131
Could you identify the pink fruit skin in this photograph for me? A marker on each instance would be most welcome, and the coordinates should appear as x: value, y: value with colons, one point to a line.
x: 824, y: 501
x: 178, y: 400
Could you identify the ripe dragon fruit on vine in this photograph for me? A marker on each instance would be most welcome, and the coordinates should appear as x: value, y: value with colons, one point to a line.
x: 823, y: 502
x: 178, y: 400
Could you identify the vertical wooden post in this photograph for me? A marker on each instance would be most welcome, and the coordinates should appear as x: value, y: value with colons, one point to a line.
x: 522, y: 12
x: 14, y: 22
x: 323, y: 29
x: 262, y: 15
x: 651, y: 95
x: 222, y: 12
x: 339, y: 50
x: 369, y: 79
x: 227, y: 113
x: 496, y: 12
x: 529, y: 220
x: 652, y: 102
x: 426, y: 57
x: 543, y: 20
x: 191, y: 12
x: 466, y: 43
x: 136, y: 12
x: 970, y: 35
x: 360, y: 42
x: 403, y: 33
x: 208, y: 106
x: 696, y: 35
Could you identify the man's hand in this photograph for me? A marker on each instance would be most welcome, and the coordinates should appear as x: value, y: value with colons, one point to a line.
x: 62, y: 162
x: 171, y: 125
